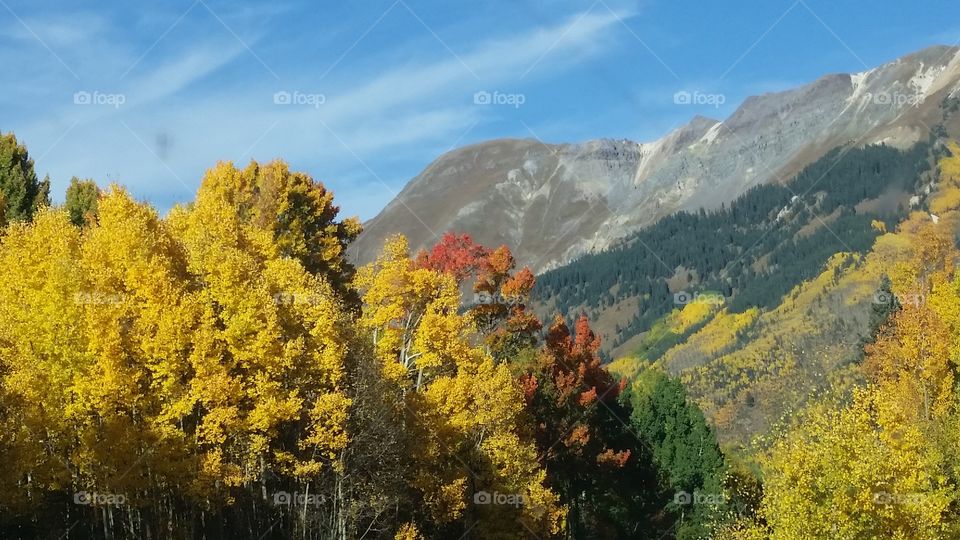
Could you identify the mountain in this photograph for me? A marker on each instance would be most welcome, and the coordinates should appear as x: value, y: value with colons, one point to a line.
x: 753, y: 370
x: 552, y: 203
x: 747, y: 254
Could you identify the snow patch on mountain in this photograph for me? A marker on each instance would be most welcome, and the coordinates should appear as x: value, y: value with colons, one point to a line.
x: 554, y: 202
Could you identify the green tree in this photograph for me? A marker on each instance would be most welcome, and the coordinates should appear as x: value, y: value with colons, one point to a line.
x: 81, y: 203
x: 21, y: 193
x: 684, y: 450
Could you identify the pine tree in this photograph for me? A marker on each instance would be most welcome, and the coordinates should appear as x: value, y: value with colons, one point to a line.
x: 81, y: 201
x: 22, y: 194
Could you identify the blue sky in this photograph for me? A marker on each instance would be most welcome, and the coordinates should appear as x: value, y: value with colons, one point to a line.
x: 363, y: 95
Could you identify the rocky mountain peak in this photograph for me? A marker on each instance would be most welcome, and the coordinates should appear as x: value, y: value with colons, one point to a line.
x: 554, y: 202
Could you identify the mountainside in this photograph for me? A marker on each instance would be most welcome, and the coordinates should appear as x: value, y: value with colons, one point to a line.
x: 746, y: 254
x: 752, y: 369
x: 555, y: 202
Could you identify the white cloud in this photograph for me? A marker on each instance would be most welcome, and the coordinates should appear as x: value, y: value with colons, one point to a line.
x: 424, y: 103
x: 57, y: 30
x: 173, y: 75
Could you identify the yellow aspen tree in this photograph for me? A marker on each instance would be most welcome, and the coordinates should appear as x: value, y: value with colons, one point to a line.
x: 844, y: 473
x: 465, y: 410
x: 883, y: 466
x: 271, y: 344
x: 42, y: 353
x: 137, y: 317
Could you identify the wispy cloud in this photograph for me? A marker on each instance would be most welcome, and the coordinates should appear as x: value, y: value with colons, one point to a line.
x: 175, y: 74
x: 57, y: 30
x: 194, y: 102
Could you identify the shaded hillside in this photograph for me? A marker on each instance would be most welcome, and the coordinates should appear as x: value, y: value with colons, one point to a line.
x: 753, y: 251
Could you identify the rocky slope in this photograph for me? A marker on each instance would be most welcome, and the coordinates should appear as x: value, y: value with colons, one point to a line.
x: 554, y: 202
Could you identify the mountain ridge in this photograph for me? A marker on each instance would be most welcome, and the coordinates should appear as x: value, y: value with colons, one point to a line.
x: 554, y: 202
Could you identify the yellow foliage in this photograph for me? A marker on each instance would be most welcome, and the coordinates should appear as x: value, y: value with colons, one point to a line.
x: 884, y: 465
x: 144, y: 348
x: 950, y: 166
x: 692, y: 314
x: 627, y: 367
x: 465, y: 409
x: 412, y: 316
x: 718, y: 335
x: 408, y: 531
x: 742, y: 528
x: 948, y: 198
x: 848, y: 473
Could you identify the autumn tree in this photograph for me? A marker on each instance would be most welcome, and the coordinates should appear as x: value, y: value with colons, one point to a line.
x: 90, y: 351
x: 270, y: 348
x: 195, y: 365
x: 501, y: 293
x: 296, y: 213
x: 464, y: 410
x: 454, y: 254
x: 583, y: 436
x: 856, y: 472
x: 502, y: 309
x: 882, y: 464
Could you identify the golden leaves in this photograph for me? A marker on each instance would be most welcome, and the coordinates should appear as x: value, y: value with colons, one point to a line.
x: 848, y: 474
x: 883, y: 465
x: 199, y: 347
x: 193, y: 357
x: 465, y: 409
